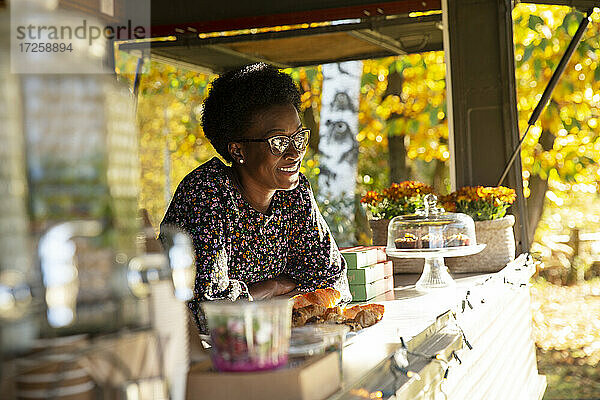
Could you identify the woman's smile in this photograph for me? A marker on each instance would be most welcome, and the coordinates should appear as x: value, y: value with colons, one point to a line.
x: 291, y: 169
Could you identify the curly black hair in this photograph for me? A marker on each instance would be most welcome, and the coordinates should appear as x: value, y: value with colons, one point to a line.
x: 236, y: 96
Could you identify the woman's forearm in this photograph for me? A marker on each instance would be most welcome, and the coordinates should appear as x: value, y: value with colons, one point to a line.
x: 284, y: 284
x: 291, y: 294
x: 262, y: 290
x: 278, y: 286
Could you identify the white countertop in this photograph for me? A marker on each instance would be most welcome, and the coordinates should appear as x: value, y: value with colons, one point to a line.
x: 499, y: 309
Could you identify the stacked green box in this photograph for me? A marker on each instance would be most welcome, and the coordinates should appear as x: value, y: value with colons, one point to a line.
x: 359, y: 257
x: 367, y: 291
x: 369, y: 272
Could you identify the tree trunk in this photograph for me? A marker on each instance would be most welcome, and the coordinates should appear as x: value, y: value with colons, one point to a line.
x: 538, y: 188
x: 310, y: 122
x: 573, y: 276
x: 441, y: 177
x: 398, y: 168
x: 535, y: 203
x: 397, y: 152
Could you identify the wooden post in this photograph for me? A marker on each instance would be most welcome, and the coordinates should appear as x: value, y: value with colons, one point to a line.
x: 574, y: 276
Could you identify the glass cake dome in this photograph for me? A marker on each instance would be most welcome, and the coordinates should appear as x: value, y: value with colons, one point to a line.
x: 432, y: 234
x: 430, y: 228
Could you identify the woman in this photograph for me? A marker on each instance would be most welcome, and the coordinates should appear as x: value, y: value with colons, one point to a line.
x: 255, y: 226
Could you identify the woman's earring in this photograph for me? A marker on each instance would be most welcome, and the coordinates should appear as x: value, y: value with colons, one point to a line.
x: 241, y: 160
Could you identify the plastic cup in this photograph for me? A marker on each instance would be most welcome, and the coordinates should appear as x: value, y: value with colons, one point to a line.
x: 249, y: 336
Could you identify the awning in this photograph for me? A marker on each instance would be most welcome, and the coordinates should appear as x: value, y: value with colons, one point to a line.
x: 318, y: 31
x: 315, y: 34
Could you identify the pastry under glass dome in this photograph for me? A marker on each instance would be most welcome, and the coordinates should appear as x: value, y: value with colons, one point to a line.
x: 432, y: 234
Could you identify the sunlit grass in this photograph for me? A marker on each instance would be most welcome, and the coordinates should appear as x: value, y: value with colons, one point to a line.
x: 566, y: 330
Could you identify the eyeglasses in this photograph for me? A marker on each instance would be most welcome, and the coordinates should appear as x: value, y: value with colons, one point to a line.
x: 280, y: 143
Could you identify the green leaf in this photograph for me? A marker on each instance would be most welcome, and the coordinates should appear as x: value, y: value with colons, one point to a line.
x: 527, y: 53
x: 571, y: 22
x: 570, y: 86
x: 570, y: 177
x: 519, y: 20
x: 584, y: 47
x: 585, y: 161
x: 396, y: 127
x: 433, y: 118
x: 368, y: 79
x: 534, y: 20
x: 537, y: 68
x: 413, y: 126
x: 575, y: 123
x: 399, y: 65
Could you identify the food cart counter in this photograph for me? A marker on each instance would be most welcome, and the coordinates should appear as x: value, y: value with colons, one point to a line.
x: 473, y: 341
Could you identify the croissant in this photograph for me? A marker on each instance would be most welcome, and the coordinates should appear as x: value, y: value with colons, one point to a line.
x: 334, y: 315
x: 332, y: 310
x: 356, y: 317
x: 320, y: 306
x: 376, y: 308
x: 351, y: 312
x: 335, y: 319
x: 366, y: 318
x: 354, y: 326
x: 300, y: 302
x: 323, y: 297
x: 301, y: 315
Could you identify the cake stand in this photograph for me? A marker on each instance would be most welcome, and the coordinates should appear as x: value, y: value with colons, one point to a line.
x: 435, y: 273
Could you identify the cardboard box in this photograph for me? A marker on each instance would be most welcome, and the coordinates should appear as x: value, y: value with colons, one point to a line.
x: 136, y: 352
x: 381, y: 254
x: 371, y: 273
x: 359, y: 257
x: 316, y: 379
x: 364, y: 292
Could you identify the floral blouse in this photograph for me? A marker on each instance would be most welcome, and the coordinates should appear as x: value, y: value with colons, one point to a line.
x: 237, y: 245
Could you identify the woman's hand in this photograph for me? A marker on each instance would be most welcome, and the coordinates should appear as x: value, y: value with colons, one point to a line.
x: 284, y: 285
x: 291, y: 294
x: 262, y: 290
x: 278, y: 286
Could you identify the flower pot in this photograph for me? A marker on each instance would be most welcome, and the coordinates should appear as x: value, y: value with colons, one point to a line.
x: 401, y: 265
x: 380, y: 231
x: 499, y: 238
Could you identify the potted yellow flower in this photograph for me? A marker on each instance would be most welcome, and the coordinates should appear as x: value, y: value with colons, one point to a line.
x: 487, y: 206
x: 481, y: 203
x: 398, y: 199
